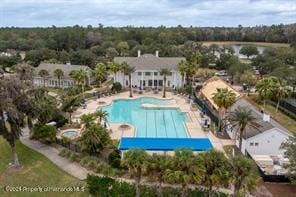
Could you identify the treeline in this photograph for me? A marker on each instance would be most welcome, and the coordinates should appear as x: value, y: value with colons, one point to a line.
x: 127, y: 40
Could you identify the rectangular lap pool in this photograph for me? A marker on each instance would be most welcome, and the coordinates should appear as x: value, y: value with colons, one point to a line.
x: 149, y: 122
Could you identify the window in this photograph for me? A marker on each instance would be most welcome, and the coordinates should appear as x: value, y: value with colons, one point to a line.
x: 147, y: 73
x: 149, y: 82
x: 155, y: 73
x: 126, y: 82
x: 251, y: 144
x: 256, y: 143
x: 160, y: 82
x: 169, y: 83
x: 139, y: 73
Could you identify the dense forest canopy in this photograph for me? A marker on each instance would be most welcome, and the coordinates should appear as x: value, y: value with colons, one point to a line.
x: 147, y: 38
x: 92, y: 45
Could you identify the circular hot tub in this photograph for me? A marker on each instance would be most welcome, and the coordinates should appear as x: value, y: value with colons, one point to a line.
x: 70, y: 133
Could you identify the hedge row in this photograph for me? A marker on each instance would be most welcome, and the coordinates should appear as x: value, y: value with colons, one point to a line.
x: 106, y: 187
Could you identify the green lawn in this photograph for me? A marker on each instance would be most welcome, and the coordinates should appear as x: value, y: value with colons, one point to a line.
x: 282, y: 118
x: 285, y: 120
x: 37, y: 171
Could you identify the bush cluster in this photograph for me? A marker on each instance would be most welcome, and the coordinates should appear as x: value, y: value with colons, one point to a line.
x: 91, y: 163
x: 44, y: 133
x: 114, y: 159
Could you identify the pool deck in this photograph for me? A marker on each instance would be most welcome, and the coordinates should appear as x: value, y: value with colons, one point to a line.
x: 193, y: 125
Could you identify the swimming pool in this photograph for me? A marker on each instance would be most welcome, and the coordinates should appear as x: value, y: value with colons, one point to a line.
x: 149, y: 122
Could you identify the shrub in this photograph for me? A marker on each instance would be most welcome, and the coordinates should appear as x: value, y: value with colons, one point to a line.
x: 65, y: 152
x: 103, y: 168
x: 74, y: 157
x: 114, y: 159
x: 45, y: 133
x: 107, y: 170
x: 116, y: 87
x: 84, y: 161
x: 92, y: 164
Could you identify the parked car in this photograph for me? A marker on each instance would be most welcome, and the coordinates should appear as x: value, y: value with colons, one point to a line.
x: 221, y: 73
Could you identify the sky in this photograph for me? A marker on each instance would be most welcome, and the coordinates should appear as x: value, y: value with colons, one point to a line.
x: 200, y: 13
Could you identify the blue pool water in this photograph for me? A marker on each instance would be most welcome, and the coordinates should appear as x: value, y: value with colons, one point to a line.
x: 70, y: 134
x: 155, y: 122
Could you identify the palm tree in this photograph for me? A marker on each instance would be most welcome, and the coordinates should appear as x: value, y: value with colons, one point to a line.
x: 265, y: 88
x: 135, y: 160
x: 102, y: 115
x: 223, y: 98
x: 123, y: 67
x: 59, y: 73
x: 72, y: 74
x: 179, y: 177
x: 100, y: 72
x: 182, y: 66
x: 243, y: 175
x: 87, y: 120
x: 43, y: 74
x: 46, y: 110
x: 164, y: 72
x: 128, y: 70
x: 240, y: 119
x: 181, y: 169
x: 94, y: 138
x: 80, y: 77
x: 68, y: 106
x: 280, y: 92
x: 216, y: 168
x: 157, y: 167
x: 114, y: 68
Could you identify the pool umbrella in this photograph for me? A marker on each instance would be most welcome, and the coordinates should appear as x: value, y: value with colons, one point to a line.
x: 123, y: 127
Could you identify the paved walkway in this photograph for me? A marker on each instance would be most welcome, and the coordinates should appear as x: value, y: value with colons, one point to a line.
x: 52, y: 154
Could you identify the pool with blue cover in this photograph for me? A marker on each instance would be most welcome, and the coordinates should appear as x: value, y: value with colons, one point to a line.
x: 165, y: 144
